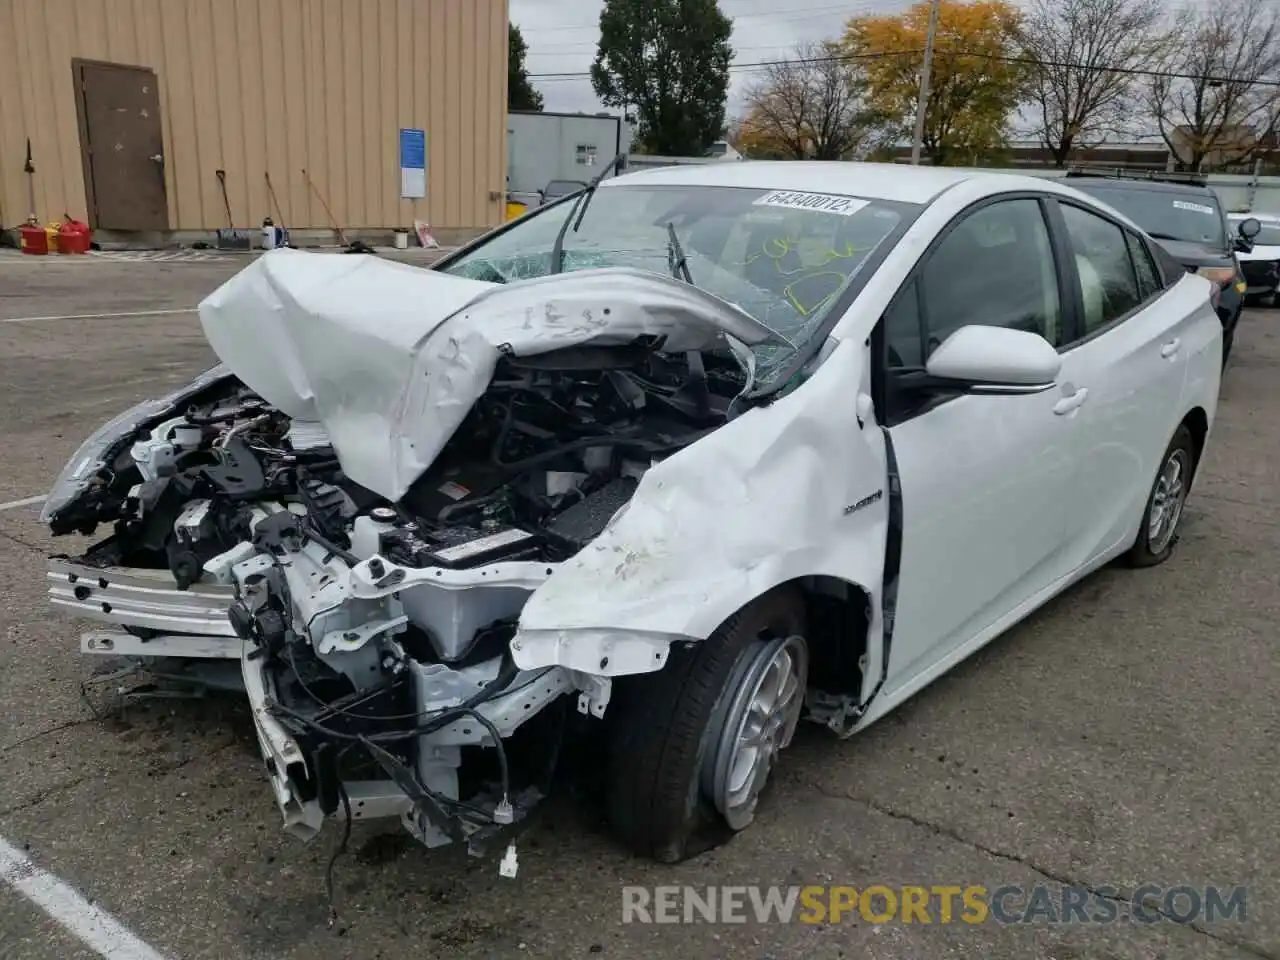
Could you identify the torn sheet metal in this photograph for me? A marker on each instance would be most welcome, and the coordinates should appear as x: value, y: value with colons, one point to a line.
x: 721, y: 522
x: 388, y: 358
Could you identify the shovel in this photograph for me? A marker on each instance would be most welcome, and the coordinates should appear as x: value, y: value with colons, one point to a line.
x: 230, y: 238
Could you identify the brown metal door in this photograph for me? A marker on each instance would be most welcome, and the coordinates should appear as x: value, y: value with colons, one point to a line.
x: 120, y: 134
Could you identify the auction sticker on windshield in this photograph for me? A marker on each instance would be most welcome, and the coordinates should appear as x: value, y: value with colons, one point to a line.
x: 1197, y: 207
x: 820, y: 202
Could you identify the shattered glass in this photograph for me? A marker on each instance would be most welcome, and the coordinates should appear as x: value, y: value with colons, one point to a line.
x: 786, y: 267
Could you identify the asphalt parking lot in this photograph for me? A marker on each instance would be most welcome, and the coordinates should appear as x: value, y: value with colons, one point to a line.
x: 1125, y: 735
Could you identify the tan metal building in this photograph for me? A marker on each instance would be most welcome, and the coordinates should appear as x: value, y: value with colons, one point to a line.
x: 133, y: 106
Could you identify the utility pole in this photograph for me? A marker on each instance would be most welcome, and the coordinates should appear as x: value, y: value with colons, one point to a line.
x: 922, y: 101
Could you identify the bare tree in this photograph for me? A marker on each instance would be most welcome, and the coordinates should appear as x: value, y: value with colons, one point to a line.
x: 811, y: 106
x: 1217, y: 101
x: 1082, y: 86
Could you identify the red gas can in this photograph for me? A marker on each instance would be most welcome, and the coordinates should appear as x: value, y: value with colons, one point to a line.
x: 73, y: 237
x: 33, y: 239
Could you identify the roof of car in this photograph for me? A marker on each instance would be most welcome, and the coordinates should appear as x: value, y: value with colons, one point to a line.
x: 869, y: 181
x: 1134, y: 183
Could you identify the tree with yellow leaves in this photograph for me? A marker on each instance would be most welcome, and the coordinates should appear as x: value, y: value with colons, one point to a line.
x: 976, y: 82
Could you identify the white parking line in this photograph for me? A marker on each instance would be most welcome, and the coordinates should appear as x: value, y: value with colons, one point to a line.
x: 15, y: 504
x: 92, y: 925
x: 99, y: 316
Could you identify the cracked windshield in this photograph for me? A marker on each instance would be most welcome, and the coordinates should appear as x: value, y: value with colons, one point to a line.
x: 782, y: 256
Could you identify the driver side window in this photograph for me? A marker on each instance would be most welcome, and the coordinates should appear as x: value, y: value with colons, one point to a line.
x: 995, y: 268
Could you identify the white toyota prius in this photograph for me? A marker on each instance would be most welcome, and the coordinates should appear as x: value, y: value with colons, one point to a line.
x: 677, y: 461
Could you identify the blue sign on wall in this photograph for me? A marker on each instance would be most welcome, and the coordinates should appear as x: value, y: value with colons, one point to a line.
x: 413, y: 162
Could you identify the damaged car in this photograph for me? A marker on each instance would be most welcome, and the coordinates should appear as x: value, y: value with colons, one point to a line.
x: 687, y: 457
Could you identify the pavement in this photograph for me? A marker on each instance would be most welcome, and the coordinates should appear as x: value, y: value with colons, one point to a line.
x: 1123, y: 735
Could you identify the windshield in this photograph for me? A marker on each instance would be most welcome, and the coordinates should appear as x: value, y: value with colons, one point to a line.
x: 783, y: 257
x: 1268, y: 236
x: 1193, y: 217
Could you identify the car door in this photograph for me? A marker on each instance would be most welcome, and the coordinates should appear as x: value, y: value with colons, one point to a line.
x: 986, y: 480
x: 1133, y: 355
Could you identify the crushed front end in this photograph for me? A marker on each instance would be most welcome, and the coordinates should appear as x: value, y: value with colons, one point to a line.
x: 372, y: 629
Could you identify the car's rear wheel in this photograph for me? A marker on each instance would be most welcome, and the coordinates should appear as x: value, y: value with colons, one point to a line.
x: 1158, y: 532
x: 693, y: 745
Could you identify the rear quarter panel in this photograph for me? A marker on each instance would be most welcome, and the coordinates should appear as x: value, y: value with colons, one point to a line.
x: 1203, y: 343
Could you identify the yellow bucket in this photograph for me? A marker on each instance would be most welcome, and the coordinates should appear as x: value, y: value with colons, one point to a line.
x: 516, y: 209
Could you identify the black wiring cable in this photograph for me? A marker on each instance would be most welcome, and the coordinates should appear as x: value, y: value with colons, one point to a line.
x: 308, y: 528
x: 645, y: 446
x: 503, y: 770
x: 446, y: 715
x: 487, y: 692
x: 346, y: 835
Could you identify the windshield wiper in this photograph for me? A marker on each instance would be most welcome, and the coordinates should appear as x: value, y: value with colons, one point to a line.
x: 678, y: 262
x: 578, y: 211
x: 1168, y: 236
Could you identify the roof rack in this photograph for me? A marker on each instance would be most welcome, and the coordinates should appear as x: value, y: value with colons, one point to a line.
x: 1125, y: 173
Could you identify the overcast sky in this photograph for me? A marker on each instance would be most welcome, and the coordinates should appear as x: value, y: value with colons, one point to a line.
x: 562, y: 36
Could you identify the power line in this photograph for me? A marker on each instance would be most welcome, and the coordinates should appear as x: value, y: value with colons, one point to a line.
x: 855, y: 8
x: 943, y: 51
x: 799, y: 13
x: 843, y: 58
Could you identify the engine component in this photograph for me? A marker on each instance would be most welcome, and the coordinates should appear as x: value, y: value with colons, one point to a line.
x: 585, y: 520
x: 328, y: 507
x: 366, y: 534
x: 237, y: 474
x: 193, y: 543
x: 441, y: 491
x: 157, y: 455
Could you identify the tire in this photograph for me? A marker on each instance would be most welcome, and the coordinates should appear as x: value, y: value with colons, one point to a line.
x: 1152, y: 547
x: 1228, y: 338
x: 667, y: 727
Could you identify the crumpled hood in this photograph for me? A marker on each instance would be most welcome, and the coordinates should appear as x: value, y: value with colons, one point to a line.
x: 389, y: 358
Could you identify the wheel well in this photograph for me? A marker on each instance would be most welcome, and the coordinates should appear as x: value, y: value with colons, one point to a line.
x: 837, y: 616
x: 1197, y: 422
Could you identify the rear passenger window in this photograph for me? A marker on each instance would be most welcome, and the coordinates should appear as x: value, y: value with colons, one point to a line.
x: 1148, y: 280
x: 1108, y: 282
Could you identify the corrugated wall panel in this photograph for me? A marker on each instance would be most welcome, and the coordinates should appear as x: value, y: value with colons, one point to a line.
x: 270, y: 86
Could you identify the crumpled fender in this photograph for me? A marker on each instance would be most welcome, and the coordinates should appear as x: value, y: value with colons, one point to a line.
x: 765, y: 499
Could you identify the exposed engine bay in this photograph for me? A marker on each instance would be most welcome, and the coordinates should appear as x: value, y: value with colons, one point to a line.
x: 374, y: 634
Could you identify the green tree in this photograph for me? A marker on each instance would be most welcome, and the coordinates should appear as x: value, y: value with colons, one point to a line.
x: 668, y: 60
x: 520, y: 92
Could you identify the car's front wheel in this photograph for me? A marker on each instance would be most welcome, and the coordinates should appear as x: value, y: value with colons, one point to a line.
x: 1158, y: 531
x: 693, y: 744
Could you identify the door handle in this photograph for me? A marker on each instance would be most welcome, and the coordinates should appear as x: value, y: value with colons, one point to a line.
x: 1067, y: 404
x: 1170, y: 348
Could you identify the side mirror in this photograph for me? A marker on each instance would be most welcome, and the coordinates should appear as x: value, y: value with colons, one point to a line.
x: 1249, y: 228
x: 997, y: 357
